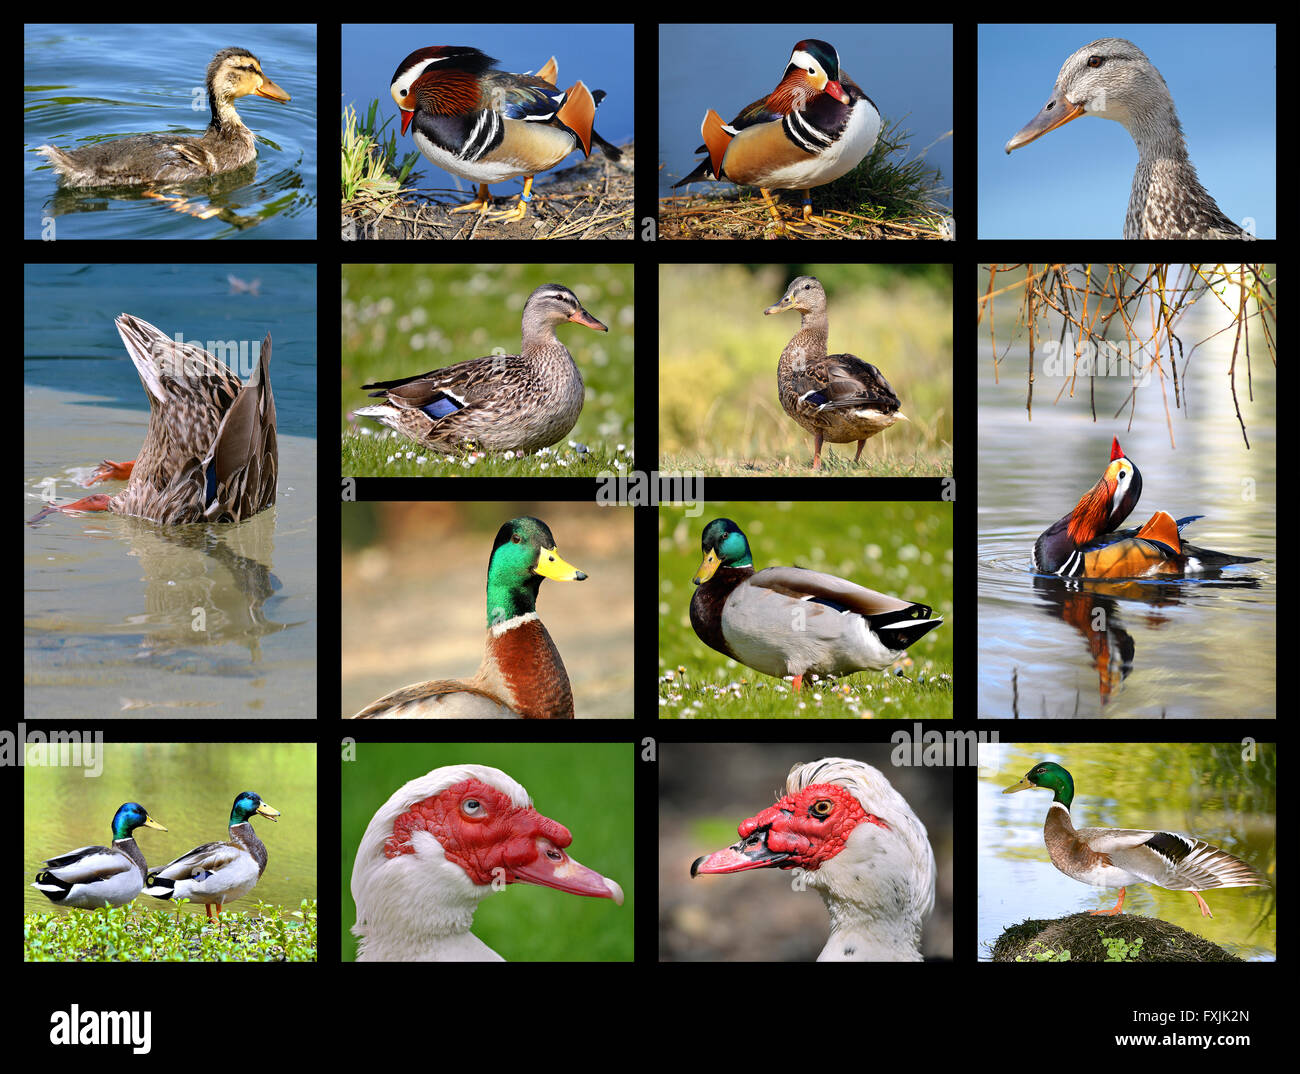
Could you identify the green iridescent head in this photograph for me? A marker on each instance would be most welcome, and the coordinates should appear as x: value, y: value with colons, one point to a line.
x: 724, y: 545
x: 1050, y: 776
x: 248, y: 804
x: 129, y: 817
x: 524, y: 554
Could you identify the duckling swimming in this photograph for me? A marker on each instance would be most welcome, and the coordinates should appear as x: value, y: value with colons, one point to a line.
x: 168, y: 158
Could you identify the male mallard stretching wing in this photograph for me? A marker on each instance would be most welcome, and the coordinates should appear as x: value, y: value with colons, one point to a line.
x: 1117, y: 857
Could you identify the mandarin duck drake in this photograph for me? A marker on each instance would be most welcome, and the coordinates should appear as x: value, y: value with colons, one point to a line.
x: 1086, y: 544
x: 815, y: 126
x: 217, y: 873
x: 168, y: 158
x: 837, y: 397
x: 502, y: 402
x: 1112, y: 78
x: 791, y: 621
x: 210, y: 453
x: 522, y: 675
x: 489, y: 126
x: 96, y: 876
x: 1118, y: 857
x: 858, y: 843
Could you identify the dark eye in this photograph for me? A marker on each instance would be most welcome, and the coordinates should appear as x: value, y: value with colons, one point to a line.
x: 1096, y: 61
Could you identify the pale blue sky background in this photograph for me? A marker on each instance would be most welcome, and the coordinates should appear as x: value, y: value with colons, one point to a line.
x: 601, y: 56
x: 905, y: 70
x: 1074, y: 182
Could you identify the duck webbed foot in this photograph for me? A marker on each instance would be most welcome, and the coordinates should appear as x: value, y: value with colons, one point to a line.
x: 1114, y: 909
x: 520, y: 209
x: 90, y: 503
x: 108, y: 470
x: 482, y: 203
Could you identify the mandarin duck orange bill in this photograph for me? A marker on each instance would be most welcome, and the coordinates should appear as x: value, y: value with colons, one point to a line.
x: 814, y: 127
x: 1086, y: 544
x: 489, y: 126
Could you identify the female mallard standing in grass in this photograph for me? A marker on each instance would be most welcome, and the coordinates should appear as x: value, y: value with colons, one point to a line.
x: 1117, y: 857
x: 522, y: 675
x: 503, y: 402
x: 790, y: 621
x: 217, y: 873
x: 836, y: 397
x: 210, y: 453
x: 100, y: 876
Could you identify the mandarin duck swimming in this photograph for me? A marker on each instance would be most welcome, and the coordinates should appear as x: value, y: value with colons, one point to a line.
x: 1118, y: 857
x: 169, y: 158
x: 522, y: 675
x: 501, y: 402
x: 1086, y: 544
x: 837, y: 397
x: 1113, y: 78
x: 489, y: 126
x: 791, y: 621
x: 210, y: 453
x: 814, y: 127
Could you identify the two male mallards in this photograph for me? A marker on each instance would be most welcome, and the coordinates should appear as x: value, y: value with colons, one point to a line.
x: 1118, y: 857
x: 503, y: 402
x: 1113, y: 78
x: 210, y: 453
x: 217, y: 873
x: 837, y: 397
x: 790, y: 621
x: 100, y: 876
x: 522, y: 675
x: 168, y: 158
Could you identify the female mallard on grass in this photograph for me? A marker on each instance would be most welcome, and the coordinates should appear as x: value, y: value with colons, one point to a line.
x: 814, y: 127
x: 210, y: 453
x: 1113, y: 78
x: 100, y: 876
x: 490, y: 126
x: 790, y: 621
x: 836, y: 397
x: 217, y: 873
x: 503, y: 402
x: 522, y: 675
x: 1117, y: 857
x: 168, y: 158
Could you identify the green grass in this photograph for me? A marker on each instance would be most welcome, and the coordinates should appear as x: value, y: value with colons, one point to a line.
x: 403, y: 320
x: 718, y: 356
x: 389, y: 454
x: 130, y: 934
x: 900, y: 548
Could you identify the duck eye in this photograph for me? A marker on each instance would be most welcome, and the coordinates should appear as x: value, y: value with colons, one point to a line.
x: 822, y: 807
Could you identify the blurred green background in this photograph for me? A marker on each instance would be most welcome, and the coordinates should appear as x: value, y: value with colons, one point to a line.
x: 585, y: 786
x: 403, y: 320
x: 900, y: 548
x: 718, y: 354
